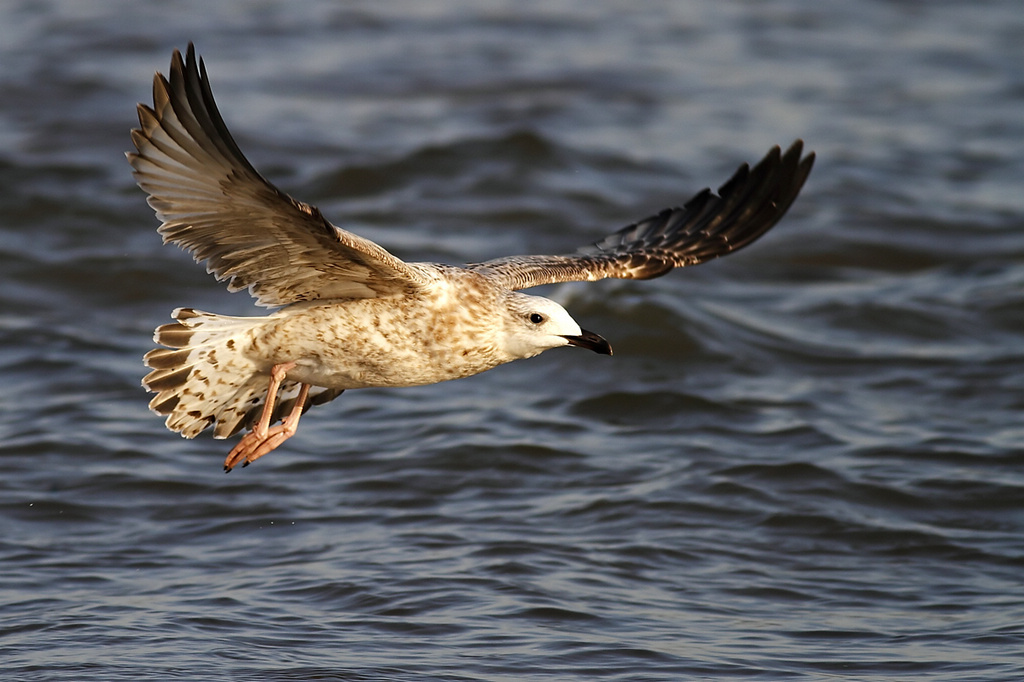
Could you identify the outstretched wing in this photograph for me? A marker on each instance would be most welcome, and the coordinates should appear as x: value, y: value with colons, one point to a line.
x: 214, y: 204
x: 706, y: 227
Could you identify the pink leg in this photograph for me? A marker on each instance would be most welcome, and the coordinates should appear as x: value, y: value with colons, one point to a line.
x: 262, y: 439
x: 283, y: 431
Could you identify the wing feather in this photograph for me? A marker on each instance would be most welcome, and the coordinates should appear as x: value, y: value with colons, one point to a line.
x: 214, y: 204
x: 708, y: 226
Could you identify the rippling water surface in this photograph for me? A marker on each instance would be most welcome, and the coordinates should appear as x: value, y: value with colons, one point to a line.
x: 803, y: 462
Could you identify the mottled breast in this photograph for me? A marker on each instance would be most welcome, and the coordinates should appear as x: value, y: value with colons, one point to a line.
x: 446, y: 332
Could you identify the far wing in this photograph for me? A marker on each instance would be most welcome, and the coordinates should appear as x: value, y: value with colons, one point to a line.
x: 214, y: 204
x: 706, y: 227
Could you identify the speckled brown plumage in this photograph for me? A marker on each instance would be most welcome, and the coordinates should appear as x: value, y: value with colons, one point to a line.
x: 351, y: 314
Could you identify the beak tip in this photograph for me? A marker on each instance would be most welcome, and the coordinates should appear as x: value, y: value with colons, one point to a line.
x: 590, y: 341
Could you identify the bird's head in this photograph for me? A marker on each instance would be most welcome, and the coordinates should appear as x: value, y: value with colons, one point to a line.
x: 534, y: 324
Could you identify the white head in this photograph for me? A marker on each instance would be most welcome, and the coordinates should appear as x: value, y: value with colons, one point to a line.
x: 534, y: 324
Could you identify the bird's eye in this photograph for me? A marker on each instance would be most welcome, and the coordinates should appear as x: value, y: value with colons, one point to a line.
x: 536, y: 318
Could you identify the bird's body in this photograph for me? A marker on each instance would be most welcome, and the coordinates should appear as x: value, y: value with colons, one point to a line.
x: 448, y: 331
x: 351, y: 314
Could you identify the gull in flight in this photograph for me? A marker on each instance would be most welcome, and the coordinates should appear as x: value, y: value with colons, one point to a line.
x: 351, y: 315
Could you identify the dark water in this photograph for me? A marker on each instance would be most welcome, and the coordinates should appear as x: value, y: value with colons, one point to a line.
x: 804, y: 461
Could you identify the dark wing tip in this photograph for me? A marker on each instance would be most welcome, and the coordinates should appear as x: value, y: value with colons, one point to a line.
x: 712, y: 224
x: 707, y: 226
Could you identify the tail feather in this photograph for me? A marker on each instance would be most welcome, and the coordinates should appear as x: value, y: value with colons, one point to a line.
x: 202, y: 369
x: 168, y: 379
x: 242, y: 407
x: 167, y: 358
x: 204, y: 378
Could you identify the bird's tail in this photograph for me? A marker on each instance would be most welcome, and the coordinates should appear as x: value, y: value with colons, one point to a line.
x: 205, y: 377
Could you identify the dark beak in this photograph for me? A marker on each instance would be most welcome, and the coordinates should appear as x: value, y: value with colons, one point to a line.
x: 592, y: 341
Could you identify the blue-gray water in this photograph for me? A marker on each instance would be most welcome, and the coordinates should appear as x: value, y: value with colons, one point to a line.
x: 804, y: 461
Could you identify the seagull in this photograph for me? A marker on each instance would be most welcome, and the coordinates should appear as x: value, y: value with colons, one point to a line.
x: 348, y: 313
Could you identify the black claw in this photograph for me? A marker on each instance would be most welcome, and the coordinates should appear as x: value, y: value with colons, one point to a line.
x: 227, y: 469
x: 247, y: 463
